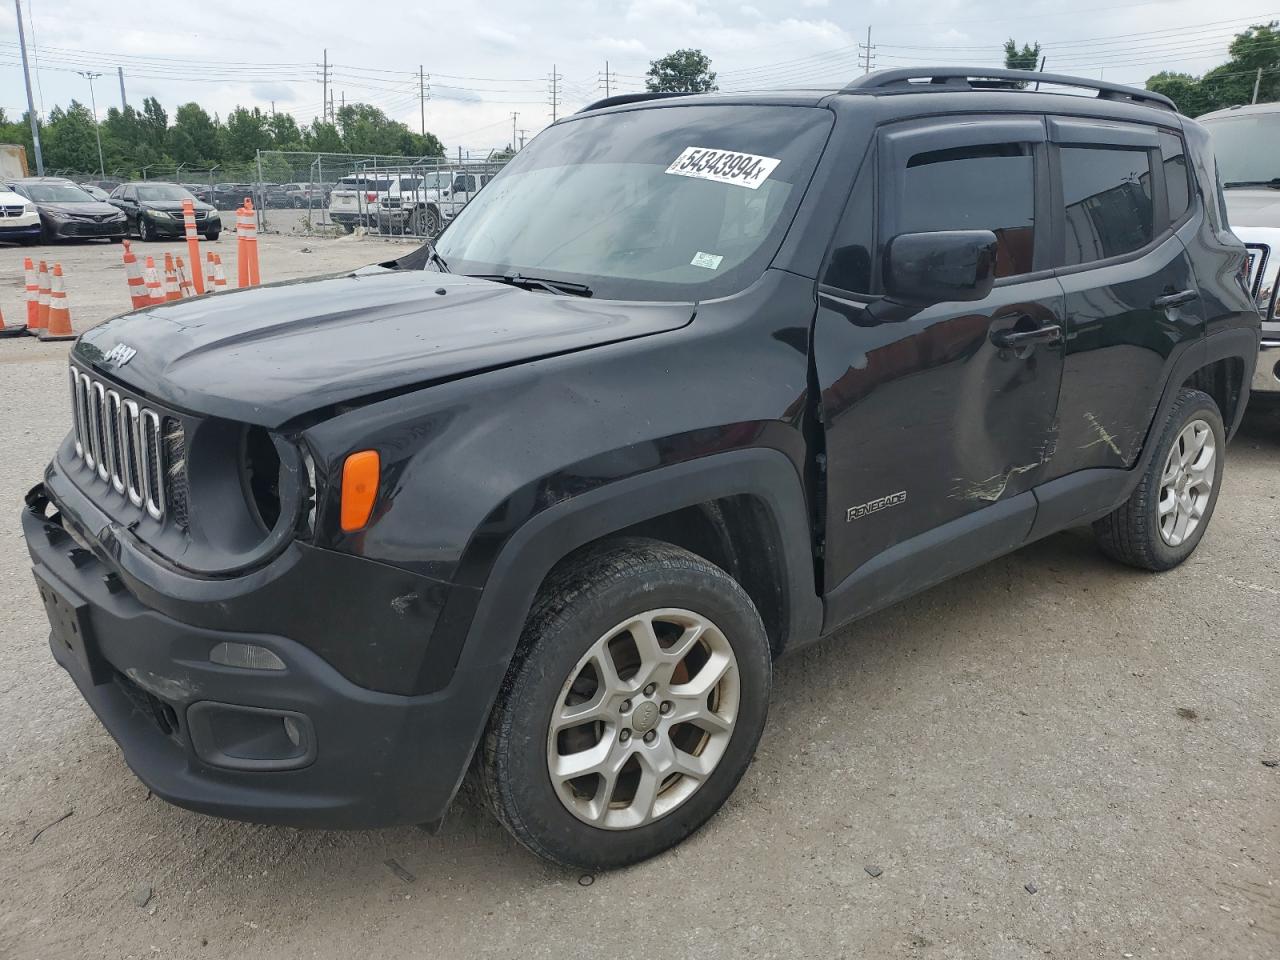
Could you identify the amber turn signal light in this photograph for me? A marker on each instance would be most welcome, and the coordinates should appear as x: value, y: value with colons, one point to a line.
x: 359, y: 488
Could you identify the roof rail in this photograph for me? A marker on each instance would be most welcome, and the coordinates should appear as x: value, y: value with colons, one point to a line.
x: 619, y: 99
x: 971, y: 78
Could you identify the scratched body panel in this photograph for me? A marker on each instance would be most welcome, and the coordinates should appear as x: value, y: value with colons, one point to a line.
x: 1119, y: 349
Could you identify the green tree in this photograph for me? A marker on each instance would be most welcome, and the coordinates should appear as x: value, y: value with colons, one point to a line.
x: 1028, y: 58
x: 19, y: 131
x: 322, y: 137
x: 246, y: 134
x: 1256, y: 49
x: 194, y: 137
x: 284, y: 131
x: 68, y: 139
x: 685, y: 71
x: 154, y: 125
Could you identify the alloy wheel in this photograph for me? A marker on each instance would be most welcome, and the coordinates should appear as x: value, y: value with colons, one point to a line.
x: 643, y: 719
x: 1187, y: 482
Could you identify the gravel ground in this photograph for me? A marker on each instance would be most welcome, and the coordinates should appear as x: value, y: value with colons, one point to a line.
x: 1048, y: 723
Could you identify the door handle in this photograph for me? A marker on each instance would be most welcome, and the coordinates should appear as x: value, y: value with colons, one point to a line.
x: 1013, y: 339
x: 1174, y: 299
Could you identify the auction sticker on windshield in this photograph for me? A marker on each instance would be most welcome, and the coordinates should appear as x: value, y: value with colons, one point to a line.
x: 724, y: 166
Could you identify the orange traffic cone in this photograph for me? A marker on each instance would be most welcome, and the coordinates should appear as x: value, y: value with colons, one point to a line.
x: 155, y: 294
x: 59, y: 327
x: 133, y: 274
x: 251, y: 242
x: 171, y: 291
x: 185, y: 287
x: 242, y: 245
x: 42, y: 314
x: 33, y: 296
x: 10, y: 331
x: 193, y: 243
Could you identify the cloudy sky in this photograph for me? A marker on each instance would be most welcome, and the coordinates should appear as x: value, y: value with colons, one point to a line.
x: 488, y: 58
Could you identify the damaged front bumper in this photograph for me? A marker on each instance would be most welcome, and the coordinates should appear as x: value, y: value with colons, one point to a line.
x: 241, y: 724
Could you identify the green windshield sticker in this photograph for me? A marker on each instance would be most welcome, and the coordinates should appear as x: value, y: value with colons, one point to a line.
x: 709, y: 260
x: 724, y: 166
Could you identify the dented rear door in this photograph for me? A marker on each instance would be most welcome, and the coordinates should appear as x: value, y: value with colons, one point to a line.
x: 1132, y: 302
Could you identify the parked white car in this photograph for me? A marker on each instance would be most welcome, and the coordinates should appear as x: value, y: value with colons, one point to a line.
x: 1246, y: 141
x: 354, y: 199
x: 421, y: 205
x: 19, y: 219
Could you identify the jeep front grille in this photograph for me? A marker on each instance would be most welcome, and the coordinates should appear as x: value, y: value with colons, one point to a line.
x: 137, y: 452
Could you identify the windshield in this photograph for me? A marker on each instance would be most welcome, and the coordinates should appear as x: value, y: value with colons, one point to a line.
x: 163, y: 191
x: 57, y: 193
x: 1247, y: 147
x: 363, y: 183
x: 675, y: 203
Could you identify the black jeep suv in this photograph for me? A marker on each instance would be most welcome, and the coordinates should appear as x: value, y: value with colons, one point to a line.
x: 694, y: 382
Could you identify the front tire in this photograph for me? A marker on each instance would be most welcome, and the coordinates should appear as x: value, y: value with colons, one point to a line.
x: 632, y: 708
x: 1165, y: 517
x: 212, y: 235
x: 146, y: 233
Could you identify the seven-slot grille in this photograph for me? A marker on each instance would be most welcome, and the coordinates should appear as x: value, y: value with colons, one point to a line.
x: 130, y: 446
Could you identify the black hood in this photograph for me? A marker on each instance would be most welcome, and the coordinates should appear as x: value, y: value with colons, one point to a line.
x: 272, y: 353
x: 81, y: 208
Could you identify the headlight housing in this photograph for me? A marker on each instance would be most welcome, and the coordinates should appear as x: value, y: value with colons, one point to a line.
x: 160, y: 214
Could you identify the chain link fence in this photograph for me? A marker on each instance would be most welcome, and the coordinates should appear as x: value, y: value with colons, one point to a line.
x: 341, y: 193
x: 328, y: 193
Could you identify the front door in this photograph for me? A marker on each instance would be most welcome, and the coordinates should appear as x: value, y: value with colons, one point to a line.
x: 935, y: 430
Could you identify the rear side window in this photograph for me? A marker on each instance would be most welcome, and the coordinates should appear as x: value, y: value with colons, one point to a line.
x: 1107, y: 194
x: 1176, y: 174
x: 987, y: 187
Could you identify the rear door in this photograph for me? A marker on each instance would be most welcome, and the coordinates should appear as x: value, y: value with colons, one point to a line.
x: 935, y: 434
x: 1131, y: 297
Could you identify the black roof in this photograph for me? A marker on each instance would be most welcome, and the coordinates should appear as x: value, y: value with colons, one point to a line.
x: 981, y: 87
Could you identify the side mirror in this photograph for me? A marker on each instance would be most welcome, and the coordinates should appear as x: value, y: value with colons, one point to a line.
x: 921, y: 269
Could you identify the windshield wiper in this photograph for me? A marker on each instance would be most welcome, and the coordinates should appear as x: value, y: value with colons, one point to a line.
x: 561, y: 287
x: 435, y: 257
x: 1273, y: 183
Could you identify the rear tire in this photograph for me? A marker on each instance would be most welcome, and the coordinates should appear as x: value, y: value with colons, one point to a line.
x: 674, y: 752
x: 1165, y: 517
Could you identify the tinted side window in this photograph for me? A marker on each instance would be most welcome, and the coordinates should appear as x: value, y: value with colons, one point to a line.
x: 988, y: 187
x: 853, y: 252
x: 1176, y: 174
x: 1107, y: 193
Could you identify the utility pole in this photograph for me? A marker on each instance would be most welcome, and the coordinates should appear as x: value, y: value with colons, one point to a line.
x: 342, y: 99
x: 324, y: 81
x: 1257, y: 82
x: 31, y: 103
x: 554, y: 90
x: 868, y: 55
x: 124, y: 101
x: 97, y: 131
x: 514, y: 118
x: 273, y: 109
x: 523, y: 131
x: 606, y: 80
x: 423, y: 92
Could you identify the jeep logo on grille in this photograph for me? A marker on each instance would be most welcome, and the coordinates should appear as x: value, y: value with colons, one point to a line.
x: 120, y: 354
x: 875, y: 506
